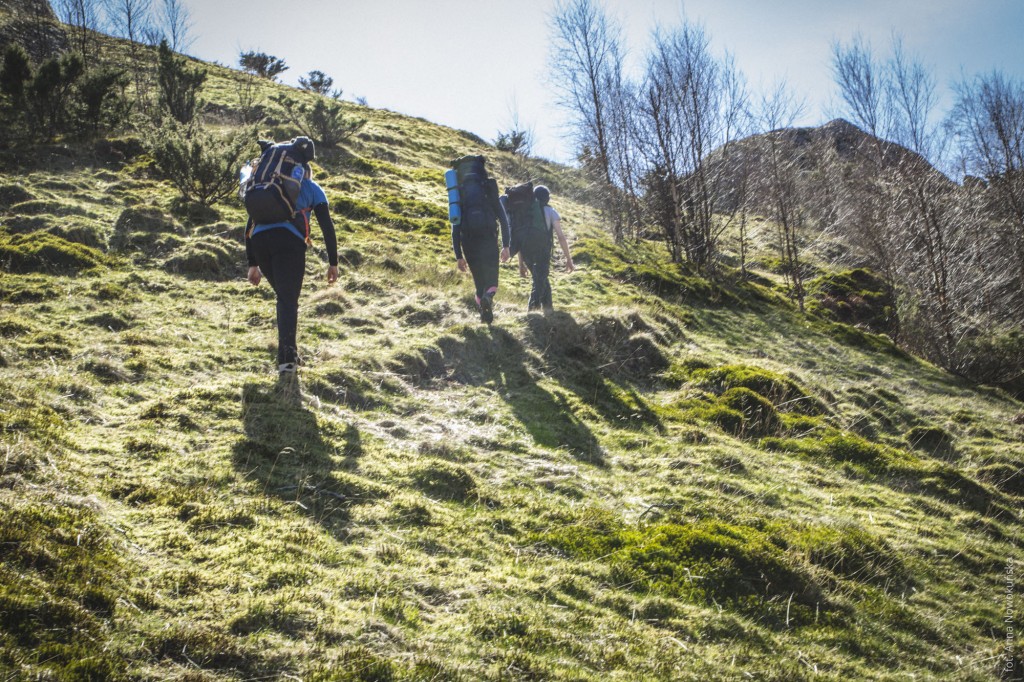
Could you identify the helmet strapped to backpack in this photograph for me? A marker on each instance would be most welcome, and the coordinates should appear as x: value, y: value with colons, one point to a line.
x: 273, y: 187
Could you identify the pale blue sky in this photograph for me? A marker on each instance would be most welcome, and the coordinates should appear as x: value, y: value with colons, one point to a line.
x: 462, y: 63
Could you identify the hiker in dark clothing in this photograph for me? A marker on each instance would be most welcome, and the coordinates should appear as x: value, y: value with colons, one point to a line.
x: 535, y: 253
x: 477, y: 250
x: 278, y: 251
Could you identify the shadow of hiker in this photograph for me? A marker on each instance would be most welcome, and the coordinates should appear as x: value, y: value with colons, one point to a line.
x: 284, y: 450
x: 490, y: 355
x: 599, y: 366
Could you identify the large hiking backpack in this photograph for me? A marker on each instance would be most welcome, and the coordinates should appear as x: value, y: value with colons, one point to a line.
x: 525, y: 217
x: 475, y: 188
x: 272, y: 188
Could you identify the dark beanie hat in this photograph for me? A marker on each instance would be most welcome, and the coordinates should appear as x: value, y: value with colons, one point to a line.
x: 541, y: 193
x: 303, y: 147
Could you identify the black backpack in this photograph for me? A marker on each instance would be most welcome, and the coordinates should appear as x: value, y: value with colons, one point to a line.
x: 476, y: 190
x: 272, y: 189
x: 525, y: 216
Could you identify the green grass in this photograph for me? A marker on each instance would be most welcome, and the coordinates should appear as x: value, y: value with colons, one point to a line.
x: 666, y: 479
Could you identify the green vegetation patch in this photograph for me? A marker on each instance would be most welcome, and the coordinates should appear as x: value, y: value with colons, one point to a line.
x: 50, y: 207
x: 60, y: 579
x: 934, y: 440
x: 208, y: 258
x: 446, y: 481
x: 847, y: 552
x: 12, y: 194
x: 27, y: 417
x: 759, y: 415
x: 783, y: 393
x: 858, y: 297
x: 644, y: 266
x: 43, y: 252
x: 147, y: 231
x: 707, y: 562
x: 896, y: 468
x: 354, y: 209
x: 837, y: 446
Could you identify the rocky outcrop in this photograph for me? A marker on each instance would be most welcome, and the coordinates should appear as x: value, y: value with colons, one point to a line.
x: 745, y: 162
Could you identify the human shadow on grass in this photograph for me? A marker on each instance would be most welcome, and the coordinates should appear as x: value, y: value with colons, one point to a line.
x: 491, y: 356
x: 285, y: 450
x: 604, y: 367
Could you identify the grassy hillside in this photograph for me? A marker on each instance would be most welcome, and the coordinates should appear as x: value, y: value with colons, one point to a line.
x: 664, y: 479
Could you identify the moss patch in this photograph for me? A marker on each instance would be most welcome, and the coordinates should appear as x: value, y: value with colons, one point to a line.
x: 42, y: 252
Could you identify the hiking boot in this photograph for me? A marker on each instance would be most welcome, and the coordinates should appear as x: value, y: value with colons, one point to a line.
x: 487, y: 308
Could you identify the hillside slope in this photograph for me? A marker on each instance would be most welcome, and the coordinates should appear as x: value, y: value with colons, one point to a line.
x: 664, y: 479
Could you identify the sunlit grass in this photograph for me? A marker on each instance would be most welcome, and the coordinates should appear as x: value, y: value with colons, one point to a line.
x: 666, y: 478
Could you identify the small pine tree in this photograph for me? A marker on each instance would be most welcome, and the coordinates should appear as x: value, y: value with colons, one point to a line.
x: 201, y: 165
x: 320, y: 83
x: 324, y: 120
x: 14, y: 74
x: 49, y: 94
x: 515, y: 141
x: 179, y: 85
x: 262, y: 64
x: 102, y: 100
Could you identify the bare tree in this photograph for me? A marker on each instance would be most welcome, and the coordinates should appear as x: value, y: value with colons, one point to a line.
x: 129, y: 19
x: 943, y: 247
x: 988, y: 123
x: 865, y: 222
x: 913, y: 98
x: 988, y: 120
x: 83, y: 16
x: 779, y: 184
x: 862, y: 86
x: 586, y: 63
x: 518, y: 138
x: 690, y: 107
x: 175, y: 20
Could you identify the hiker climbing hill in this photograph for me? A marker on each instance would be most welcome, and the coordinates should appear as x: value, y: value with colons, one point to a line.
x: 279, y: 196
x: 534, y: 224
x: 475, y: 213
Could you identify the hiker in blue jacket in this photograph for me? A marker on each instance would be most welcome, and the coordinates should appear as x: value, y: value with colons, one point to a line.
x: 535, y: 253
x: 278, y: 252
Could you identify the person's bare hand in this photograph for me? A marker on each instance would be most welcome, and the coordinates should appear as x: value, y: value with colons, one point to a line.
x: 461, y: 263
x: 332, y: 274
x: 254, y: 275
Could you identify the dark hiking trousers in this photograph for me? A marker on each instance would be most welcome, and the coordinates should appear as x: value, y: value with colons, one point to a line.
x: 482, y: 258
x: 281, y: 257
x: 537, y: 258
